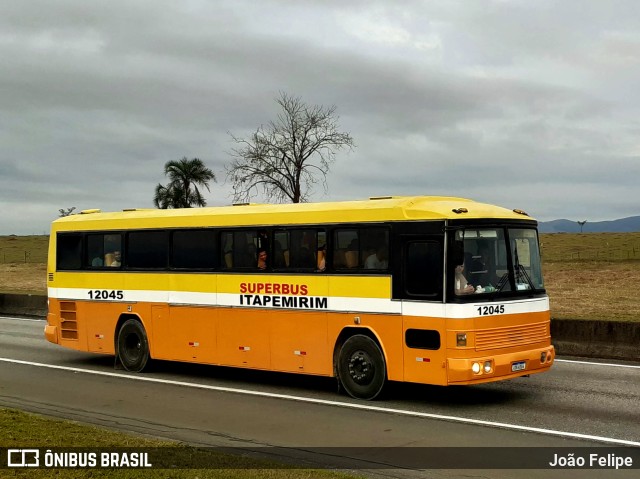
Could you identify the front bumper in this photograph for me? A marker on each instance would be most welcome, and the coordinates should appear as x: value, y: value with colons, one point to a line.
x: 460, y: 371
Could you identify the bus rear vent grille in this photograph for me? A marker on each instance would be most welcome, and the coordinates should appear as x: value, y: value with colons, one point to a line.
x: 68, y: 321
x: 50, y: 276
x: 511, y: 336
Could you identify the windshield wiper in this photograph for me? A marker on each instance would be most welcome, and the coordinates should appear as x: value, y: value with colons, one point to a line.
x: 521, y: 271
x: 502, y: 282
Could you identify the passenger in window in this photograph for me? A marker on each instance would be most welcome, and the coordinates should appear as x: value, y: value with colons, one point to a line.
x: 322, y: 257
x: 262, y: 260
x: 377, y: 260
x: 111, y: 261
x: 97, y: 262
x: 351, y: 255
x: 461, y: 284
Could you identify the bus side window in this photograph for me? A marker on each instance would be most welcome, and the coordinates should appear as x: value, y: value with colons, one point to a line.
x: 321, y: 256
x: 239, y: 249
x: 346, y: 249
x: 69, y: 251
x: 299, y: 249
x: 280, y: 249
x: 302, y: 251
x: 194, y: 249
x: 423, y: 269
x: 363, y: 248
x: 375, y: 248
x: 147, y: 249
x: 102, y: 249
x: 244, y: 251
x: 226, y: 240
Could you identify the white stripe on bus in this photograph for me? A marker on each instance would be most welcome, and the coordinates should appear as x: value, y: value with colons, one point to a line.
x: 334, y: 303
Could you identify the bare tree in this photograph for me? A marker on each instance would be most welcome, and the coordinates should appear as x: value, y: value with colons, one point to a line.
x: 288, y: 156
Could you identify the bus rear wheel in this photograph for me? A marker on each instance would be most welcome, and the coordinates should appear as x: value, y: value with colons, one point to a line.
x: 361, y: 367
x: 133, y: 346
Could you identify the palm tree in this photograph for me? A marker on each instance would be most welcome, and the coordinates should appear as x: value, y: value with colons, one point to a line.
x: 182, y: 190
x: 581, y: 223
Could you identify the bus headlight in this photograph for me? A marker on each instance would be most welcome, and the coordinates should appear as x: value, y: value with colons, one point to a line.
x: 488, y: 366
x: 475, y: 367
x: 543, y: 356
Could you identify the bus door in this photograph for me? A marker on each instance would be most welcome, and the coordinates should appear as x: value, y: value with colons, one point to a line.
x: 419, y: 282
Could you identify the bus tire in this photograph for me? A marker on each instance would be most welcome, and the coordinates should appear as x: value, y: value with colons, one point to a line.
x: 361, y: 368
x: 133, y: 346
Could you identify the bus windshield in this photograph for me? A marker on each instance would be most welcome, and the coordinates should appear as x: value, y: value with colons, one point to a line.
x: 490, y: 260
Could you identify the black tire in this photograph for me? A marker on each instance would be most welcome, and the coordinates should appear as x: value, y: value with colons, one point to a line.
x: 133, y: 346
x: 362, y: 370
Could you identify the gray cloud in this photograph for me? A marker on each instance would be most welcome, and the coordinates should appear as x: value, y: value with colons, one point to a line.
x: 526, y: 104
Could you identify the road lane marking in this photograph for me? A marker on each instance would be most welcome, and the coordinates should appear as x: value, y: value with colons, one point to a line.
x: 324, y: 402
x: 14, y: 318
x: 591, y: 363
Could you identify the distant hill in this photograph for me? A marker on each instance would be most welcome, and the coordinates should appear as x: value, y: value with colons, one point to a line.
x: 623, y: 225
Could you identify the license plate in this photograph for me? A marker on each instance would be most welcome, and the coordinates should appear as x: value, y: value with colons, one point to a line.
x: 519, y: 366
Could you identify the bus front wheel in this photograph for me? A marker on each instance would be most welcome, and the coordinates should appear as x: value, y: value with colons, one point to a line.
x: 361, y: 367
x: 133, y: 346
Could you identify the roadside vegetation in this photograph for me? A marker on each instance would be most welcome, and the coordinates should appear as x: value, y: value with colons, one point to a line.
x: 23, y: 430
x: 587, y: 275
x: 591, y: 275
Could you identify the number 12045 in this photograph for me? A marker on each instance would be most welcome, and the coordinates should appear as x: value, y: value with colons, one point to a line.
x: 105, y: 294
x: 491, y: 309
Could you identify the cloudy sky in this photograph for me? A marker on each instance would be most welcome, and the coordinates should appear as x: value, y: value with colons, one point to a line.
x: 527, y: 104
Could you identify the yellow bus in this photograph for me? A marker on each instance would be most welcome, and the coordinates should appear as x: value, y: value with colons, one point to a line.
x: 432, y: 290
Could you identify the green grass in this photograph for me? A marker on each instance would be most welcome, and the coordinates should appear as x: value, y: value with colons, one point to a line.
x: 24, y: 249
x: 24, y: 430
x: 572, y: 247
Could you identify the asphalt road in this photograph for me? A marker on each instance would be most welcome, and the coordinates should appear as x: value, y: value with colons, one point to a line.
x: 577, y: 405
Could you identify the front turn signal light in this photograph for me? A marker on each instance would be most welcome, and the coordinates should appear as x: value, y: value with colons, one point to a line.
x: 488, y: 367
